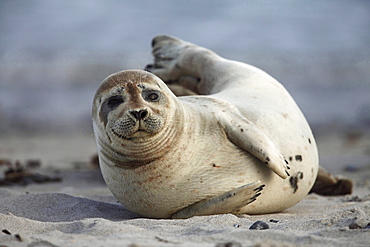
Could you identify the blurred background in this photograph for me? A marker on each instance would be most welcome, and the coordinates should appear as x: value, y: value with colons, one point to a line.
x: 54, y: 54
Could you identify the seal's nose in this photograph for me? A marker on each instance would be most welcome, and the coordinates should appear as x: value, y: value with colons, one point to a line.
x: 140, y: 114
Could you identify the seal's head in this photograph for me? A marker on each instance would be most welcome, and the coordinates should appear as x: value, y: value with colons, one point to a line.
x: 132, y: 114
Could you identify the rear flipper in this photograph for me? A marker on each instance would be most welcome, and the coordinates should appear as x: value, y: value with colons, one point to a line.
x: 228, y: 202
x: 329, y: 185
x: 184, y: 86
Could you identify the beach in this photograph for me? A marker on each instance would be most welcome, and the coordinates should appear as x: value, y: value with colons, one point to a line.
x: 79, y: 210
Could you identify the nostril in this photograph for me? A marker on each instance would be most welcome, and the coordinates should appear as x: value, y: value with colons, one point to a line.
x: 143, y: 114
x: 139, y: 115
x: 135, y: 114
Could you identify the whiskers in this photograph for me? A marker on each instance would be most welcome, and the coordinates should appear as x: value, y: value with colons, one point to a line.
x: 116, y: 83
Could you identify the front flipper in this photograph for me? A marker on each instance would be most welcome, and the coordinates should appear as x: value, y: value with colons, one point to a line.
x: 228, y: 202
x: 249, y: 137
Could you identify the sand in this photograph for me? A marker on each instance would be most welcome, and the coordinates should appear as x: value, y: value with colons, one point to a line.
x: 81, y: 211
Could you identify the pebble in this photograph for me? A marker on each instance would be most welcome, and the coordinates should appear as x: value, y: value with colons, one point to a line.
x: 354, y: 226
x: 359, y: 224
x: 229, y: 244
x: 259, y: 225
x: 351, y: 168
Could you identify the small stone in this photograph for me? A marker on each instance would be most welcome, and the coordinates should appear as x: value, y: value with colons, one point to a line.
x: 259, y: 225
x: 354, y: 225
x: 229, y: 244
x: 18, y: 237
x: 351, y: 168
x: 359, y: 224
x: 134, y: 245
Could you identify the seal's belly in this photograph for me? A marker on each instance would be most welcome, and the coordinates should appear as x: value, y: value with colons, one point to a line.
x: 167, y: 185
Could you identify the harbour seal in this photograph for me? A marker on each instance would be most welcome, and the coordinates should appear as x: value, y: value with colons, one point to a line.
x: 242, y: 147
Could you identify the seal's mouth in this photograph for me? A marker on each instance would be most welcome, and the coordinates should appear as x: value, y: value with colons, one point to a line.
x: 127, y: 128
x: 137, y: 132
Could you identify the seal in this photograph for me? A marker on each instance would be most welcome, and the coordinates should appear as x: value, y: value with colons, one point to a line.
x: 243, y: 146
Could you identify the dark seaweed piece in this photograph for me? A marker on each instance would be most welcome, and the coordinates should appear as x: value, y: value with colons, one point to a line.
x: 17, y: 174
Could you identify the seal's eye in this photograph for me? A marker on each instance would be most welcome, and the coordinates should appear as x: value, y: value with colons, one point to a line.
x: 114, y: 102
x: 152, y: 96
